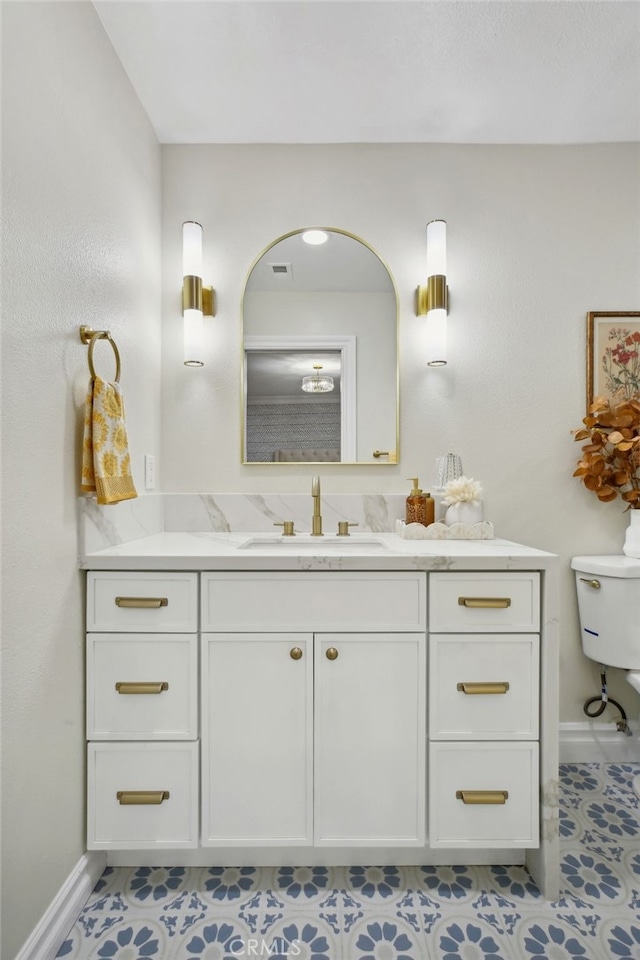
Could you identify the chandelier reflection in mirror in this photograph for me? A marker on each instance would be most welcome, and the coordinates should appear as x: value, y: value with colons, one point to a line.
x: 317, y: 383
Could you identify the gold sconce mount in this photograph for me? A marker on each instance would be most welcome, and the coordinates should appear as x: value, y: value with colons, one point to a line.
x: 197, y: 297
x: 433, y: 296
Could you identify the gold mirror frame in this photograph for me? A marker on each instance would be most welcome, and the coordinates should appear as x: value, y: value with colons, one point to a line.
x: 378, y: 456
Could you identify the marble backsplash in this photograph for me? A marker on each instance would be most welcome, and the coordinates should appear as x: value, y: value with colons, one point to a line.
x: 108, y: 526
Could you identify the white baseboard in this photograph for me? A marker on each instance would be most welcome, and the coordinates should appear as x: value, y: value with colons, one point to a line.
x: 589, y: 742
x: 50, y: 933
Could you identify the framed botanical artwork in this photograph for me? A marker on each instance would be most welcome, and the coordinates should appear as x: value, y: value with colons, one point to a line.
x: 613, y: 354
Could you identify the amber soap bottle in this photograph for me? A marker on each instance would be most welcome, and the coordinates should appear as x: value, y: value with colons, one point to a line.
x: 416, y: 511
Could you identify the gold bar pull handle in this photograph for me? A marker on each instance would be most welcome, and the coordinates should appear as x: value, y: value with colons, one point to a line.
x: 151, y: 686
x: 485, y: 602
x: 146, y: 603
x: 483, y: 688
x: 137, y: 797
x: 482, y: 796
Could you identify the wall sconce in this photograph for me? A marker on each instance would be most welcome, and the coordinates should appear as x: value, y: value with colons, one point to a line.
x: 432, y: 301
x: 197, y: 301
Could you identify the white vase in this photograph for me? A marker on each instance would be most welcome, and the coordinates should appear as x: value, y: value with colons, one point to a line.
x: 631, y: 546
x: 466, y: 511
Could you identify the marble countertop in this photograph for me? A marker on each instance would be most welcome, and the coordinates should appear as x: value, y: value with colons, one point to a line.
x: 374, y: 551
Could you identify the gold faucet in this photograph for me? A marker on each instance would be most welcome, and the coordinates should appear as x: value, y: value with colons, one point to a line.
x: 316, y: 520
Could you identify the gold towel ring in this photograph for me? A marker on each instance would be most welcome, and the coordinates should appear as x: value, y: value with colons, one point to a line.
x: 103, y: 335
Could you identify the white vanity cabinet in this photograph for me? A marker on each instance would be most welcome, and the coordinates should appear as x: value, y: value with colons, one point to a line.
x: 484, y: 649
x: 315, y: 737
x: 330, y: 709
x: 142, y: 711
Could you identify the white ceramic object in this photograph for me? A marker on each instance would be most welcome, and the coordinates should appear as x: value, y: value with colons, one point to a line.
x: 608, y: 590
x: 440, y: 531
x: 631, y: 546
x: 465, y: 511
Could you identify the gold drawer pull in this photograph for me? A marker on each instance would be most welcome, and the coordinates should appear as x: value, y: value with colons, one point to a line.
x: 332, y: 653
x: 147, y: 603
x: 484, y: 602
x: 131, y: 797
x: 151, y: 686
x: 476, y: 688
x: 482, y: 796
x: 295, y: 653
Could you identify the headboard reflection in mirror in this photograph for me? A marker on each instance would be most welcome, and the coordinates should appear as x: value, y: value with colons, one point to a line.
x: 320, y: 352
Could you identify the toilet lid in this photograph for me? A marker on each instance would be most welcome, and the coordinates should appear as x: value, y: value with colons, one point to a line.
x: 607, y: 566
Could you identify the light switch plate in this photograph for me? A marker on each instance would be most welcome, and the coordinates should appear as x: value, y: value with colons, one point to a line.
x: 149, y: 471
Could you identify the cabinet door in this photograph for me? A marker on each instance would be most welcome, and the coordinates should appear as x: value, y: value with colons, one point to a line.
x: 257, y: 739
x: 370, y: 739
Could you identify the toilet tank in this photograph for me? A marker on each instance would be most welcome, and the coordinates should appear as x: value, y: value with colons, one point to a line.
x: 608, y: 590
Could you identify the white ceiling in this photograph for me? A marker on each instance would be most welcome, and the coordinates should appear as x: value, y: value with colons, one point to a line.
x: 426, y: 71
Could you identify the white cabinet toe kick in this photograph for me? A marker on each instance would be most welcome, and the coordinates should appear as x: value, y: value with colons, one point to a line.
x: 322, y: 718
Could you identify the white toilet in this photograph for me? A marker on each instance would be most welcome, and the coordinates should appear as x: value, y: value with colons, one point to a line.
x: 608, y: 591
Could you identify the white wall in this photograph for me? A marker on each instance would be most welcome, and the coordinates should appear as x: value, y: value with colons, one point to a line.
x: 81, y: 196
x: 537, y: 236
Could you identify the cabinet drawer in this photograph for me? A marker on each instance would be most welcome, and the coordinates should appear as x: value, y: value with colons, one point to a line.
x: 484, y: 602
x: 483, y: 687
x: 385, y: 602
x: 159, y: 771
x: 142, y: 686
x: 462, y: 774
x: 142, y: 602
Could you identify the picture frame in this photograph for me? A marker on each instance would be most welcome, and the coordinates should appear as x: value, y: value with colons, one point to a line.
x: 613, y: 353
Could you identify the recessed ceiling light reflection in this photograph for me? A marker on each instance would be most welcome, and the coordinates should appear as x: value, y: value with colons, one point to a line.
x: 315, y: 237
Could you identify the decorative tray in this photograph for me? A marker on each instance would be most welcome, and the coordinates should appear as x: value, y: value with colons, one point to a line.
x: 441, y: 531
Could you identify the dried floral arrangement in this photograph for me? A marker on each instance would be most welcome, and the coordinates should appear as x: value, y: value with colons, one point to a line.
x: 462, y: 490
x: 610, y: 461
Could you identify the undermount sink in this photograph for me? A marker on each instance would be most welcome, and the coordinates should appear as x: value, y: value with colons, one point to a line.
x: 308, y: 544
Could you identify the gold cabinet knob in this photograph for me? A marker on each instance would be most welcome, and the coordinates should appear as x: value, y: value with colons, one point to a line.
x: 332, y: 653
x: 295, y: 653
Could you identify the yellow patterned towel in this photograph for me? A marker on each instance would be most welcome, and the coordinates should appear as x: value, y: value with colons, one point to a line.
x: 106, y: 464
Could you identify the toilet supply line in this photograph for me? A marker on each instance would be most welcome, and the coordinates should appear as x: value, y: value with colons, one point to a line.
x: 604, y: 700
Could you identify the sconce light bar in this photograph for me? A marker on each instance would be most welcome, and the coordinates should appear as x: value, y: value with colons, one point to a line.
x: 432, y: 300
x: 197, y: 300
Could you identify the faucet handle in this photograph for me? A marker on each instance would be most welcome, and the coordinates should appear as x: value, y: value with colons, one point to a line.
x: 343, y: 527
x: 288, y: 528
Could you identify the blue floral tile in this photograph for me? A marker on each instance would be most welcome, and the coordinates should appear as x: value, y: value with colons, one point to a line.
x: 301, y: 884
x: 155, y: 884
x: 137, y: 940
x: 588, y: 876
x: 612, y: 820
x: 390, y: 938
x: 303, y: 938
x: 389, y: 912
x: 513, y: 883
x: 446, y: 885
x: 374, y: 884
x: 570, y: 823
x: 580, y: 777
x: 229, y: 883
x: 554, y: 939
x: 622, y: 774
x: 219, y: 937
x: 468, y: 937
x: 621, y: 938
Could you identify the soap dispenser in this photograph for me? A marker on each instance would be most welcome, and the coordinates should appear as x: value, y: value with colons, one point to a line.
x: 416, y: 505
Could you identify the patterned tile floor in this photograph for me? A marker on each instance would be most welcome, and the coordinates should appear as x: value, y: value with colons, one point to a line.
x: 390, y: 913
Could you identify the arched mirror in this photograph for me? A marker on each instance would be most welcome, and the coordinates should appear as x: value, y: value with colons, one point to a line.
x: 320, y: 352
